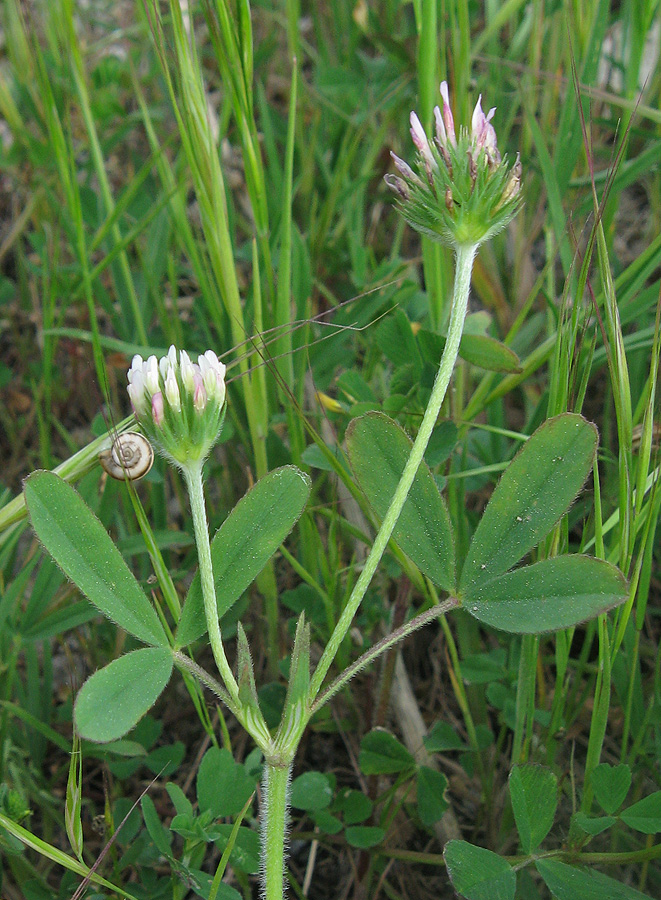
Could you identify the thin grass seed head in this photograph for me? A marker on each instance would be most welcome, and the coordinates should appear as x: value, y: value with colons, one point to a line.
x: 463, y: 191
x: 179, y: 404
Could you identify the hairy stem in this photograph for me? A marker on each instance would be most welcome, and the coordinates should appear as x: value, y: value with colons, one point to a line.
x: 193, y: 477
x: 384, y: 644
x: 275, y: 820
x: 464, y: 267
x: 204, y: 678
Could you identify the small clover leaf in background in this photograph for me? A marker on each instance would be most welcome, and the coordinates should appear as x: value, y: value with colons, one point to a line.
x: 432, y: 803
x: 593, y: 825
x: 382, y: 754
x: 160, y: 835
x: 571, y: 883
x: 611, y: 785
x: 354, y: 806
x: 534, y: 795
x: 479, y: 874
x: 311, y: 792
x: 443, y: 737
x: 223, y: 785
x: 364, y: 836
x: 645, y: 815
x: 327, y: 822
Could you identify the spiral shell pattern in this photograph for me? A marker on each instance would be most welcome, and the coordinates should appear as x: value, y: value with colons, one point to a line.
x: 130, y: 457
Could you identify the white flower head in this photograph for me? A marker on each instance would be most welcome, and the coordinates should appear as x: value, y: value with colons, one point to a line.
x: 179, y: 404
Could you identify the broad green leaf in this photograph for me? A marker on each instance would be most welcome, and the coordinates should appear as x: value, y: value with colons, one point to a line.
x: 611, y: 785
x: 534, y: 492
x: 551, y: 594
x: 477, y: 348
x: 569, y: 883
x: 645, y: 815
x: 245, y: 542
x: 112, y: 700
x: 534, y: 794
x: 311, y: 791
x: 378, y: 450
x: 479, y: 874
x: 382, y: 754
x: 223, y: 786
x: 488, y: 353
x: 364, y: 836
x: 82, y: 548
x: 431, y: 786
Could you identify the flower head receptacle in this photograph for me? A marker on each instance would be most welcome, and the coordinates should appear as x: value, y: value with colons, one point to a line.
x: 463, y: 191
x: 179, y: 404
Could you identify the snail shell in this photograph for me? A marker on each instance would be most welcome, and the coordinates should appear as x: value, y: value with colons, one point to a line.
x: 130, y: 457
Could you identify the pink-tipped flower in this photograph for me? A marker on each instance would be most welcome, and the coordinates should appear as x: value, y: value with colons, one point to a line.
x: 199, y: 395
x: 446, y: 119
x: 157, y: 409
x: 179, y: 404
x: 462, y: 192
x: 421, y: 141
x: 483, y: 132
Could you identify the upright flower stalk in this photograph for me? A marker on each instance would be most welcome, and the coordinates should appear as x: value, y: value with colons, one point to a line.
x: 180, y: 406
x: 462, y: 194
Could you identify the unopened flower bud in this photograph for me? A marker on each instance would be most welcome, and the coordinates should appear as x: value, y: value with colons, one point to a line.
x: 172, y: 390
x: 187, y: 372
x: 200, y: 395
x: 420, y: 139
x: 447, y: 118
x: 157, y: 408
x: 151, y: 374
x: 472, y: 167
x: 513, y: 186
x: 398, y: 185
